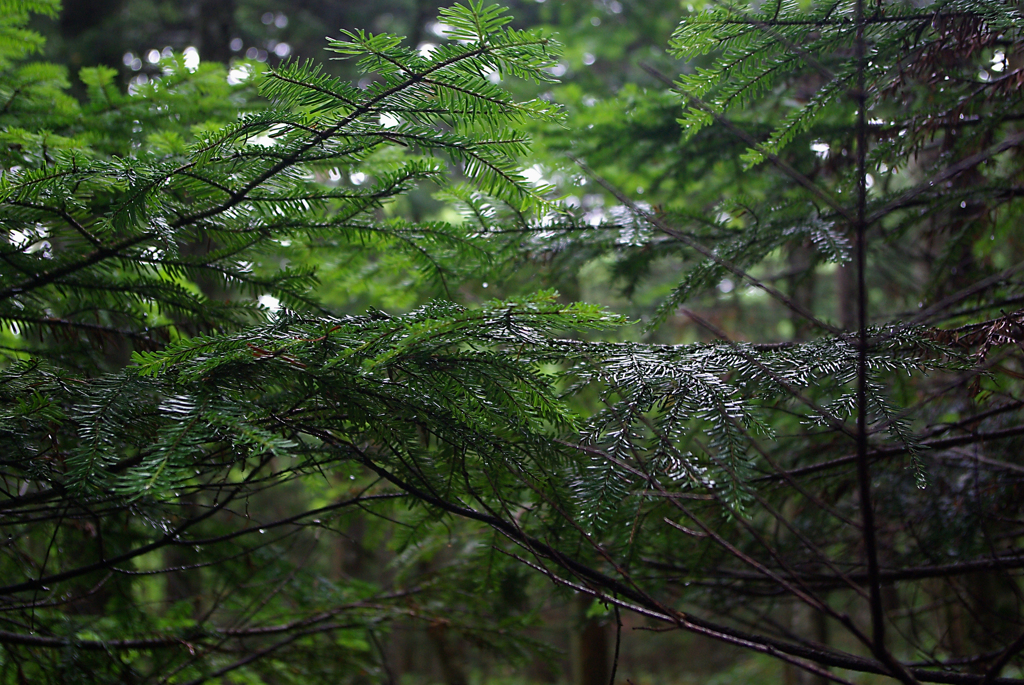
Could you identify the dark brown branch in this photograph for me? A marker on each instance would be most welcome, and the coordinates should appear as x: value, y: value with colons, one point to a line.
x: 1009, y: 560
x: 611, y: 587
x: 105, y: 564
x: 946, y: 174
x: 94, y: 257
x: 895, y: 450
x: 664, y: 227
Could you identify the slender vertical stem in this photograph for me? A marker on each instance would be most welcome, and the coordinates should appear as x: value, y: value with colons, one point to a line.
x: 618, y: 643
x: 863, y: 473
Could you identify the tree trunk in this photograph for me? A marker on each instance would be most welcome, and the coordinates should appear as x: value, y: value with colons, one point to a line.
x: 184, y: 584
x: 590, y: 655
x: 810, y: 624
x: 801, y: 286
x: 216, y: 23
x: 448, y: 656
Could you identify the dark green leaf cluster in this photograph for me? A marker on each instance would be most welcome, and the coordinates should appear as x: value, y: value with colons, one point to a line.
x: 110, y: 245
x: 176, y: 450
x: 691, y: 415
x: 152, y: 223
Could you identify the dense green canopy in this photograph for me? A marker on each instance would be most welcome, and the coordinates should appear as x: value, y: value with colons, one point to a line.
x: 214, y: 470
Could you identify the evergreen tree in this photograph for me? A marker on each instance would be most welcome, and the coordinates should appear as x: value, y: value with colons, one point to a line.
x: 841, y: 177
x: 133, y: 225
x: 860, y: 471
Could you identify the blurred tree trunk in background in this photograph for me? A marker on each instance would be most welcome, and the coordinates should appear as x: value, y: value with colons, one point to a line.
x: 590, y: 655
x: 184, y: 583
x: 215, y: 21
